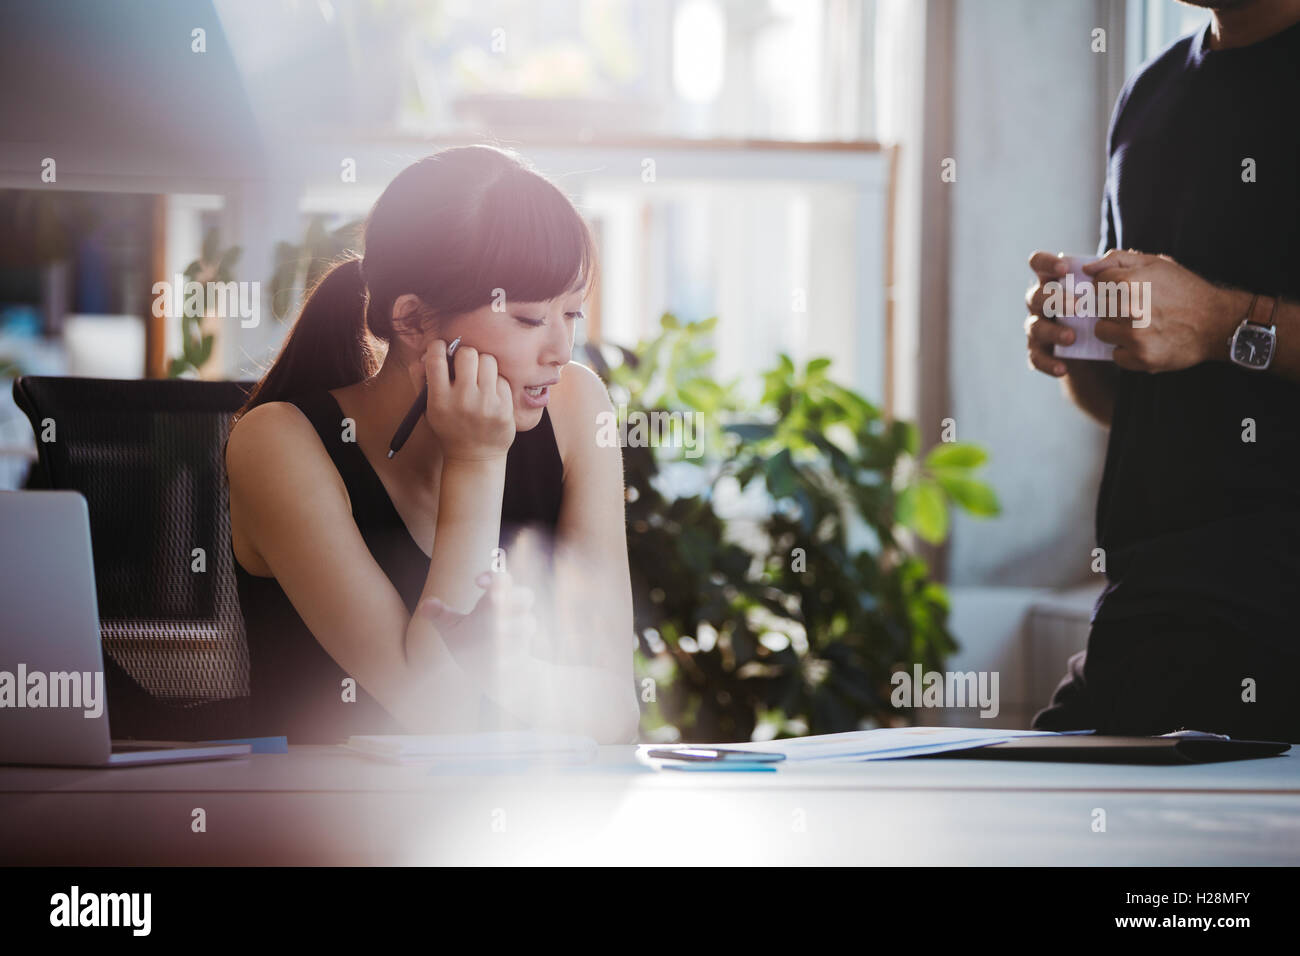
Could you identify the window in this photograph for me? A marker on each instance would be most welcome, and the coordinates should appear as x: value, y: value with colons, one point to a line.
x: 1154, y: 24
x: 779, y: 69
x: 767, y: 207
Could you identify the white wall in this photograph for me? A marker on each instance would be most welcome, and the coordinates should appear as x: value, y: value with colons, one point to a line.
x: 1028, y: 137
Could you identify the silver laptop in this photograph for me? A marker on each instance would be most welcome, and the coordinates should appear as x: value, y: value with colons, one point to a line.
x: 53, y: 709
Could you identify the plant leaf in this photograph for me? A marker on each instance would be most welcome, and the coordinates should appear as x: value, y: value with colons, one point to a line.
x: 927, y: 511
x: 972, y: 495
x: 955, y: 455
x: 228, y: 260
x: 211, y: 248
x: 906, y: 437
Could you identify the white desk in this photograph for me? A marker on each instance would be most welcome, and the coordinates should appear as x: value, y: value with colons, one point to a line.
x: 322, y: 805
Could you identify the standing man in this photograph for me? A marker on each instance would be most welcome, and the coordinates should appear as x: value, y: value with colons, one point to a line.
x: 1198, y: 516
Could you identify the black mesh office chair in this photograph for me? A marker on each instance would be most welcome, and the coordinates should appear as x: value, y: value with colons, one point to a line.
x: 149, y: 457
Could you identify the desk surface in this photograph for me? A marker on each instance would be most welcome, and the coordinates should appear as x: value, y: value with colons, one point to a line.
x: 324, y: 805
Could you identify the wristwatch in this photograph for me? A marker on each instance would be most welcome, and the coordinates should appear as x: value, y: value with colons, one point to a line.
x: 1253, y: 343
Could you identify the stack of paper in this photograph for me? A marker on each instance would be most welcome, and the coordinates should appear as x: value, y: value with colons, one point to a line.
x: 886, y: 743
x: 500, y: 746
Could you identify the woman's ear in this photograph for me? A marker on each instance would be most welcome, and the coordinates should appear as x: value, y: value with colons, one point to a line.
x: 409, y: 317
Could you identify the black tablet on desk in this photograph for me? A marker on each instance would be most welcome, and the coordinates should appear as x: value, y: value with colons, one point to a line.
x: 1095, y: 748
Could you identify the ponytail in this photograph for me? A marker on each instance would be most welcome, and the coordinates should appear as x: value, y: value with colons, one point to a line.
x: 328, y: 347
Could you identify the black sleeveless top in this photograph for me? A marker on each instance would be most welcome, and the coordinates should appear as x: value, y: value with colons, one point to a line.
x: 296, y: 687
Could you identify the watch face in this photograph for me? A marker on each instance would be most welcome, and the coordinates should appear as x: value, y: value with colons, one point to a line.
x: 1252, y: 346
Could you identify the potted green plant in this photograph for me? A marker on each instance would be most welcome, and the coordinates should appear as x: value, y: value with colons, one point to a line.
x: 214, y: 264
x: 798, y: 622
x: 299, y: 265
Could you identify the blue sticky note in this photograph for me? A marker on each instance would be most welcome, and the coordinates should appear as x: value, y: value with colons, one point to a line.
x: 260, y: 745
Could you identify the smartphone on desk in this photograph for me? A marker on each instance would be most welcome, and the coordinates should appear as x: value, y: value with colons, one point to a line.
x: 714, y: 754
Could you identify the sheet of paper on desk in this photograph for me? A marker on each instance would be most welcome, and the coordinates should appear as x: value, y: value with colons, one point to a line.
x: 885, y: 743
x: 508, y: 745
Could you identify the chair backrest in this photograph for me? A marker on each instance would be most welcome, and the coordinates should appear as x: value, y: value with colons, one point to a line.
x: 149, y: 457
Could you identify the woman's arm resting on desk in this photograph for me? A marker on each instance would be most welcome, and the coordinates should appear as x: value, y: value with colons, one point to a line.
x: 292, y: 507
x: 587, y: 684
x: 594, y: 585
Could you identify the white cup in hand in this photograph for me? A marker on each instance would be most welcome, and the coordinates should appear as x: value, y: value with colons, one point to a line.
x: 1080, y: 315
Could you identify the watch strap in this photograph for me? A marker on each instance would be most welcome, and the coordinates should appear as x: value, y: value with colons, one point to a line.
x: 1249, y: 317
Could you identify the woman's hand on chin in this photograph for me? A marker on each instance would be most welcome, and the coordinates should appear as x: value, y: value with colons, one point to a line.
x: 474, y: 416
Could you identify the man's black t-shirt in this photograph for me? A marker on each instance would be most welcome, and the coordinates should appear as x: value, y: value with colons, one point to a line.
x: 1204, y: 166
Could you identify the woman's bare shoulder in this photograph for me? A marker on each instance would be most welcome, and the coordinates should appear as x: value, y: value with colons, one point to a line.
x: 275, y: 443
x: 576, y: 403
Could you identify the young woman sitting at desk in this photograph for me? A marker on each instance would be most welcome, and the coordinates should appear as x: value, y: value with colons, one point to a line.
x: 372, y: 586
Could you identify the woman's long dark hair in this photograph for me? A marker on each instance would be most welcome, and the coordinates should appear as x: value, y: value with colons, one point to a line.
x: 450, y: 229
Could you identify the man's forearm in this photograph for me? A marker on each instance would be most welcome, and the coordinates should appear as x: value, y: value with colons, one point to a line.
x: 1091, y: 386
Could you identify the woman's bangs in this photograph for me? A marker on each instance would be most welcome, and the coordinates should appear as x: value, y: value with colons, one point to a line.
x: 538, y: 247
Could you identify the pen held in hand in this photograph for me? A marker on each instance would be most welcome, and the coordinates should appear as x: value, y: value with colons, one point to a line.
x: 421, y: 403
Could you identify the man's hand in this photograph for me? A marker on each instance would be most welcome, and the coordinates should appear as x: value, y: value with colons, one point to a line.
x: 1041, y: 332
x: 1177, y: 321
x: 1090, y: 385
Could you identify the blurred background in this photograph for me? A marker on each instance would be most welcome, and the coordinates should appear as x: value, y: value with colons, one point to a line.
x: 771, y: 165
